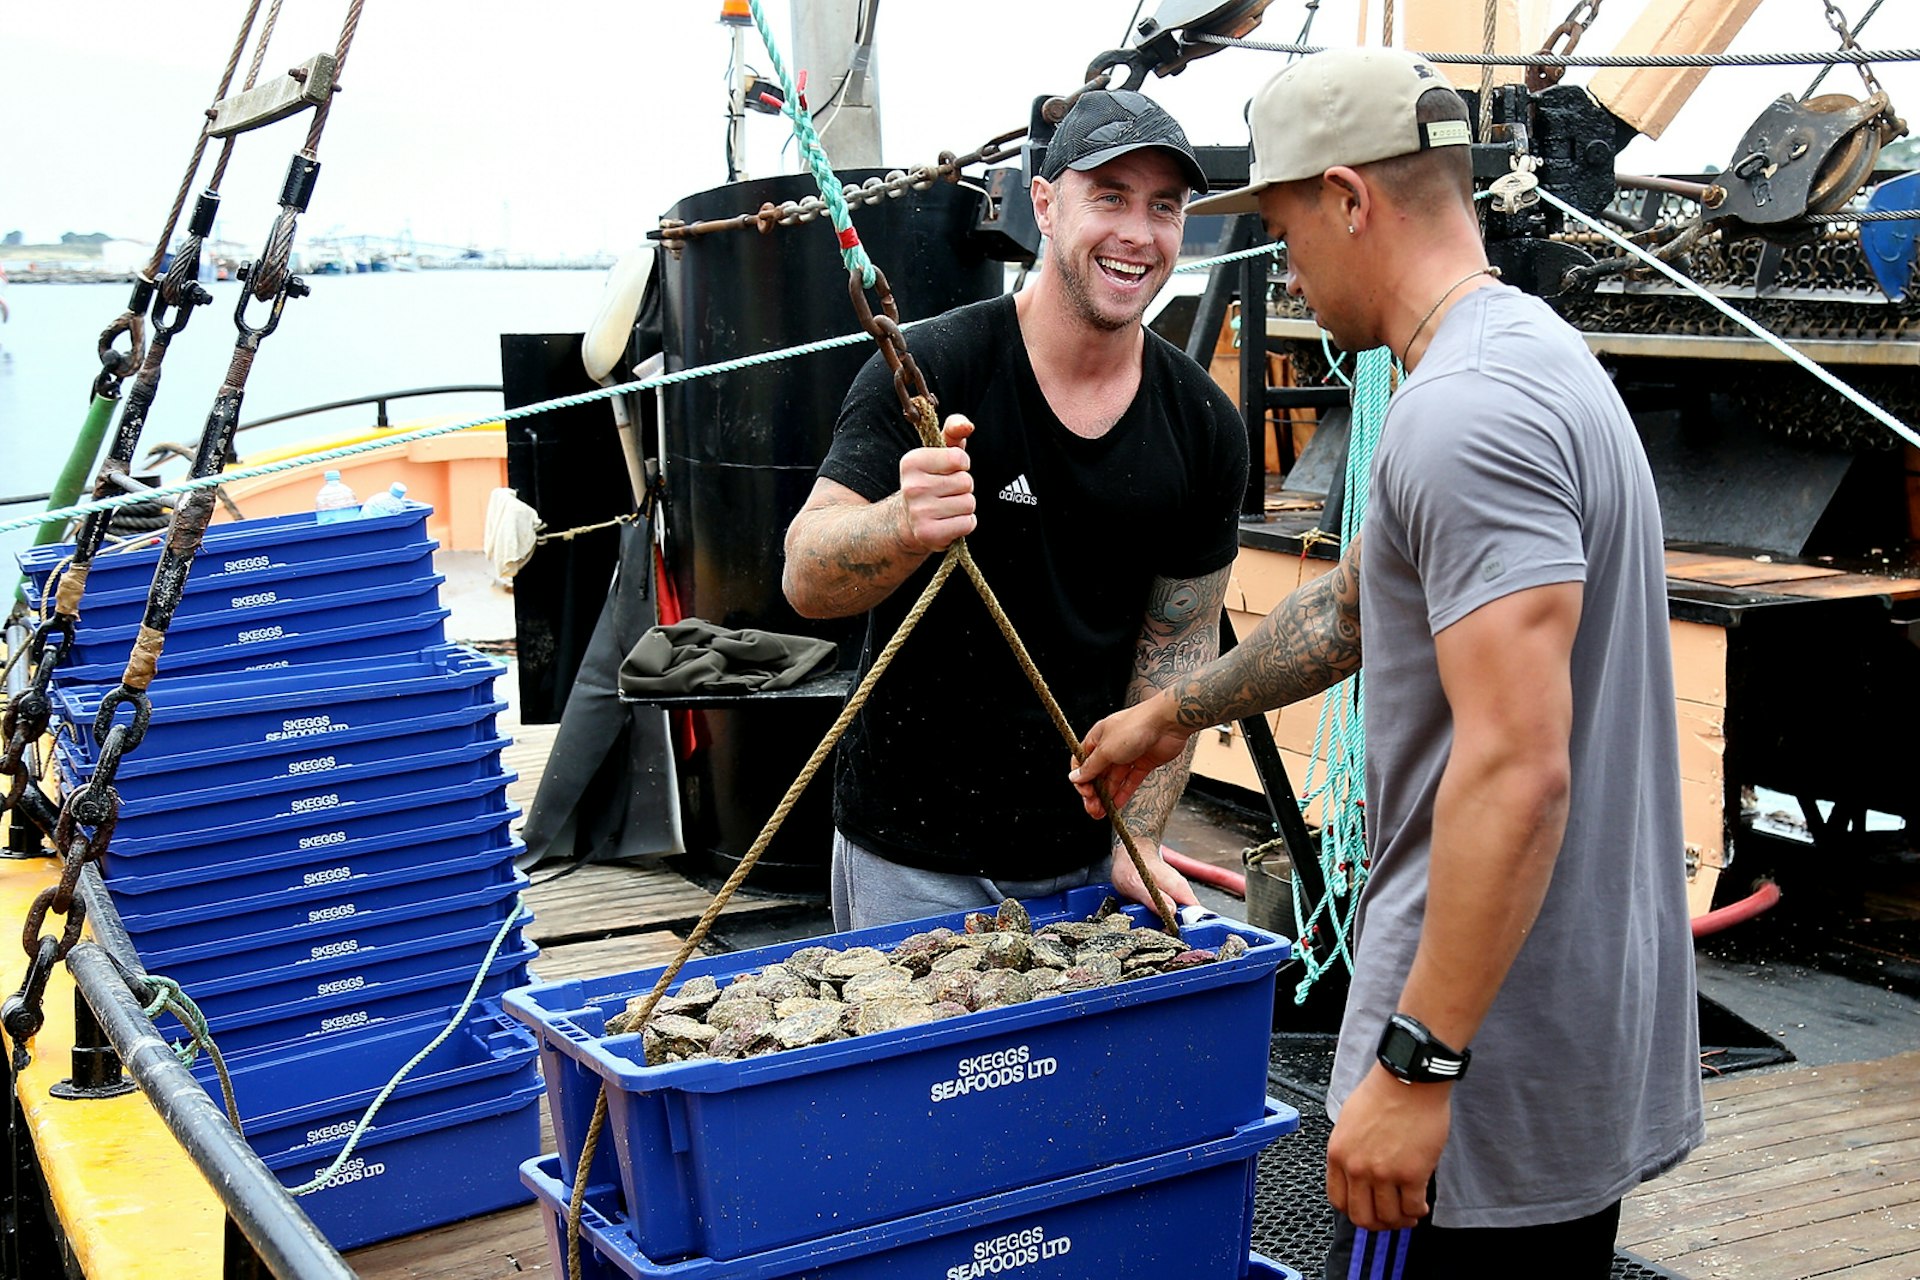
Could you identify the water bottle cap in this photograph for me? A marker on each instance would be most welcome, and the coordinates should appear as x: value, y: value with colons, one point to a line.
x: 333, y: 475
x: 397, y: 489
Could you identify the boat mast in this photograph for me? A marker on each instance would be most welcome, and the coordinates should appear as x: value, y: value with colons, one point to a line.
x: 833, y: 42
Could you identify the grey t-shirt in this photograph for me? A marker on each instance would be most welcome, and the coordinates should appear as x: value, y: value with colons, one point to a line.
x: 1508, y: 461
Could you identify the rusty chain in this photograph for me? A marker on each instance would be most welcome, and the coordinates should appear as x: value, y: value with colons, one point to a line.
x: 1569, y: 32
x: 789, y: 213
x: 81, y: 835
x: 908, y: 382
x: 1838, y: 21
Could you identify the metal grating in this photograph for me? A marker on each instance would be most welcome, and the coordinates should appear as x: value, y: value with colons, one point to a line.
x: 1292, y: 1221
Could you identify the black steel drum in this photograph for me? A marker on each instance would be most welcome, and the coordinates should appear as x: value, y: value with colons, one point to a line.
x: 739, y: 457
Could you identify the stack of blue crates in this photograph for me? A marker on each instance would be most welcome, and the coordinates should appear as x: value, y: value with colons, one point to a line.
x: 1105, y: 1132
x: 314, y: 840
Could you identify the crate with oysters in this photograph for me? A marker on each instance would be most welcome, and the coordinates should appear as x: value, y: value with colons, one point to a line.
x: 821, y: 994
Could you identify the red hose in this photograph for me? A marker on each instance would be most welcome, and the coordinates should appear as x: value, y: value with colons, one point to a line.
x: 1206, y: 873
x: 1765, y: 894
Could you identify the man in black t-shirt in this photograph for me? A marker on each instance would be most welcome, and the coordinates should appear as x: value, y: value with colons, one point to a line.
x: 1096, y: 472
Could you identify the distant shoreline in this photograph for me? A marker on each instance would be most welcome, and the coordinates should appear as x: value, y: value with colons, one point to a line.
x: 78, y: 276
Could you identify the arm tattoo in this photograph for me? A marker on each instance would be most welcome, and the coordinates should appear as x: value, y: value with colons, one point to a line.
x: 849, y: 558
x: 1179, y: 635
x: 1309, y: 643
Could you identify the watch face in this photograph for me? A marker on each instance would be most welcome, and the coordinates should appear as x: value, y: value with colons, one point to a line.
x: 1399, y: 1047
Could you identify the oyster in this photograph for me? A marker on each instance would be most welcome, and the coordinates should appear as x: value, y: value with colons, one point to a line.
x: 809, y: 1026
x: 844, y: 964
x: 727, y: 1013
x: 999, y: 987
x: 961, y: 961
x: 889, y: 1012
x: 1008, y: 950
x: 676, y: 1035
x: 810, y: 963
x: 890, y: 981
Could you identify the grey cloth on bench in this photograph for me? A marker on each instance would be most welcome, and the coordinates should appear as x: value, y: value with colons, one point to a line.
x: 695, y: 656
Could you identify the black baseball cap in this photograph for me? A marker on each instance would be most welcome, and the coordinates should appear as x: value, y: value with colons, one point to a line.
x: 1107, y: 123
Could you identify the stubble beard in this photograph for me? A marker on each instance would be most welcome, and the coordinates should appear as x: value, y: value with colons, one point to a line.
x: 1079, y: 296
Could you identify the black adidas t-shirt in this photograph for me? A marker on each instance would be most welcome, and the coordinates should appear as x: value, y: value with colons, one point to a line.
x: 953, y: 763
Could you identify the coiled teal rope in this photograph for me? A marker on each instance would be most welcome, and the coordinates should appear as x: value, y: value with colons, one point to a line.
x: 1340, y: 739
x: 815, y: 155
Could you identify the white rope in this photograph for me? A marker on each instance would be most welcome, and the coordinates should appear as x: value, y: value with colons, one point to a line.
x: 365, y: 1122
x: 1746, y: 322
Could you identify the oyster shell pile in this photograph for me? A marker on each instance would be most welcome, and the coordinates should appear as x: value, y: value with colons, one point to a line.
x: 821, y: 994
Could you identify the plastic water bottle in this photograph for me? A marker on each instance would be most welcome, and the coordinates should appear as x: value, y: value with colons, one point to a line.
x: 385, y: 504
x: 335, y: 501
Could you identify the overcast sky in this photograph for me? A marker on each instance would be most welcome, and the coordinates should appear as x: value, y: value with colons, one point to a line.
x: 570, y: 126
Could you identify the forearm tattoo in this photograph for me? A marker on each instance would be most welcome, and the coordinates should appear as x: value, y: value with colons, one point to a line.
x: 1179, y: 635
x: 1309, y: 643
x: 853, y: 559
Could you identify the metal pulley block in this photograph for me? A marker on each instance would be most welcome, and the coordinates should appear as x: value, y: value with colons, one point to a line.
x: 1800, y: 158
x: 1166, y: 42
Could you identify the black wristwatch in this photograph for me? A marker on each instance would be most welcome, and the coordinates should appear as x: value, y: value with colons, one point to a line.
x: 1412, y: 1053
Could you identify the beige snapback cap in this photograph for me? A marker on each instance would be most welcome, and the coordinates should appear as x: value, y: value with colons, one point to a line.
x: 1339, y: 106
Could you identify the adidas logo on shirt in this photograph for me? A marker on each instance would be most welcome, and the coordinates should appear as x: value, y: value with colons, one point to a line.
x: 1019, y: 492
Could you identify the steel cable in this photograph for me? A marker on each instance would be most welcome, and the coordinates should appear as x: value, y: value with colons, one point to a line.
x: 1831, y: 58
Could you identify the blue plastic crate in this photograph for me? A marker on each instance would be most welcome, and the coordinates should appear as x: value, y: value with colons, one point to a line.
x: 237, y: 552
x: 218, y: 956
x: 420, y: 1173
x: 159, y: 805
x: 325, y: 835
x: 320, y: 905
x: 307, y: 761
x: 248, y: 630
x: 1185, y: 1213
x: 307, y: 1096
x: 236, y: 994
x: 263, y: 592
x: 1109, y: 1074
x: 343, y: 870
x: 202, y: 722
x: 320, y: 1019
x: 395, y: 637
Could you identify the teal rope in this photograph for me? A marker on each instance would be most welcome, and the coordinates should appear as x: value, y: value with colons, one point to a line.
x: 309, y: 460
x: 1340, y: 739
x: 168, y: 997
x: 851, y: 251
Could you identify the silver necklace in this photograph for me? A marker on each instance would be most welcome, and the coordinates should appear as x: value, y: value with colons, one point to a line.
x: 1481, y: 271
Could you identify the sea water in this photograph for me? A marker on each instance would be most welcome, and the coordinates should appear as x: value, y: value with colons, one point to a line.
x: 353, y: 336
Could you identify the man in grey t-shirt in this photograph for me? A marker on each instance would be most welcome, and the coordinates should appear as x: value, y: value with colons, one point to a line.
x: 1520, y: 1045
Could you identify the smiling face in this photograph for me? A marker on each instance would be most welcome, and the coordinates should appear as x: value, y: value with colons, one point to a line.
x: 1115, y: 234
x: 1323, y: 268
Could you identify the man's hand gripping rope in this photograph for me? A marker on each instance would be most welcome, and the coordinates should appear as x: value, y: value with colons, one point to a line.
x: 921, y: 409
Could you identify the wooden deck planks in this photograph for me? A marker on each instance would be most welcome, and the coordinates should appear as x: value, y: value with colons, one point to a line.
x: 496, y: 1246
x: 604, y: 898
x: 1804, y: 1174
x: 526, y: 758
x: 606, y: 955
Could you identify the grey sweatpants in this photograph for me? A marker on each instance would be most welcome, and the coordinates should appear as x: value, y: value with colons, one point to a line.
x: 868, y: 890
